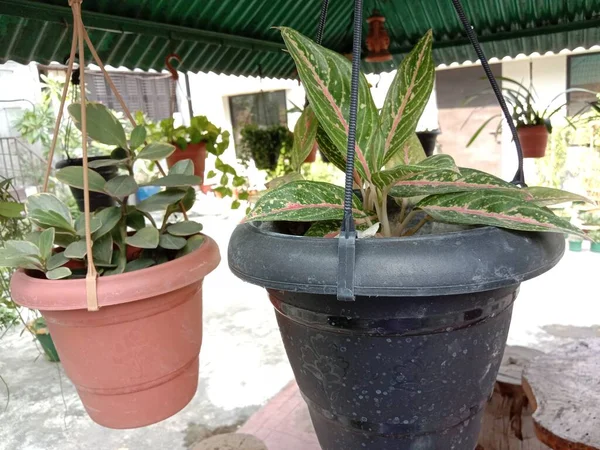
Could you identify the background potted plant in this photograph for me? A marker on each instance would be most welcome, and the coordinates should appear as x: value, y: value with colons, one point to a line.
x: 412, y: 360
x: 533, y: 125
x: 135, y: 360
x: 266, y: 145
x: 428, y: 139
x: 37, y: 126
x: 192, y: 142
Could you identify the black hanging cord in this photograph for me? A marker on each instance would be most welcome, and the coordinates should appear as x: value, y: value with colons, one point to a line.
x: 322, y: 21
x: 519, y: 178
x: 347, y: 239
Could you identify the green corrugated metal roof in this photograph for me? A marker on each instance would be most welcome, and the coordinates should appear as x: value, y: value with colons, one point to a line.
x: 236, y: 36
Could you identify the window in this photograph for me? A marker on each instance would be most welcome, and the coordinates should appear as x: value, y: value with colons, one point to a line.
x: 262, y: 109
x: 583, y: 73
x: 150, y: 93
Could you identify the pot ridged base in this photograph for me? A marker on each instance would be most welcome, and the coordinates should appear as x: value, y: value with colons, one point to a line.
x: 141, y: 358
x: 395, y: 373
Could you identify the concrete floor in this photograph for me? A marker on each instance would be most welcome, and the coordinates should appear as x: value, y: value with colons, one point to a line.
x: 242, y: 360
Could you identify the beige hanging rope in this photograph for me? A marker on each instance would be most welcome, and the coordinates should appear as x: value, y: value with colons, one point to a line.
x: 80, y: 36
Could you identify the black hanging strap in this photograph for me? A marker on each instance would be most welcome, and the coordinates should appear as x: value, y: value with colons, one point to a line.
x: 322, y: 21
x: 519, y: 178
x: 347, y: 239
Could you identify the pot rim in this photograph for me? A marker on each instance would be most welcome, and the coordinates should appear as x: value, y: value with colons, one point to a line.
x: 457, y: 262
x: 63, y: 295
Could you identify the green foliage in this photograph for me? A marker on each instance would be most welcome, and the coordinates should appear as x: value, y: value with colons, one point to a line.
x: 61, y: 239
x: 389, y: 162
x: 267, y: 147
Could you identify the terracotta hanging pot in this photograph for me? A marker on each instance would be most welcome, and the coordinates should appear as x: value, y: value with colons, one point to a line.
x: 195, y: 152
x: 135, y: 361
x: 534, y: 140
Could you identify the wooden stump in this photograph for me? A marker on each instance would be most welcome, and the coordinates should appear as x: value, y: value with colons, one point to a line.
x: 564, y: 390
x: 232, y: 441
x: 507, y: 422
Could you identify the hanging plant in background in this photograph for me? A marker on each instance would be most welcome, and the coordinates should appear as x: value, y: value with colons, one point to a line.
x: 266, y: 145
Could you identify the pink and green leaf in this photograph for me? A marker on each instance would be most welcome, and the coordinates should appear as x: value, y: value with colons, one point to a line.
x: 546, y: 196
x: 447, y: 181
x: 412, y: 150
x: 326, y: 76
x: 305, y: 134
x: 304, y: 201
x: 405, y: 102
x: 496, y: 209
x: 429, y: 167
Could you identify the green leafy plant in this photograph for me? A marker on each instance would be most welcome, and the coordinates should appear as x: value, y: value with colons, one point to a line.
x: 125, y: 237
x: 389, y: 160
x: 217, y: 141
x: 12, y: 226
x: 523, y: 102
x: 269, y: 147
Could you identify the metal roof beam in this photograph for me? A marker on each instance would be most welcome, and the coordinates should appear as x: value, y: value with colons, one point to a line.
x: 124, y: 25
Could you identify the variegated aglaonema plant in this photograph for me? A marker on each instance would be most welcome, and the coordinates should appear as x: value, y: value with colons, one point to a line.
x: 390, y: 163
x: 125, y: 237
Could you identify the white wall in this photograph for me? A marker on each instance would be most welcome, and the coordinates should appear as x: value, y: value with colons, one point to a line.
x: 17, y: 82
x: 549, y: 74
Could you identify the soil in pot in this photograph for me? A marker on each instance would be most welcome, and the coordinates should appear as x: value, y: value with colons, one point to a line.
x: 534, y: 140
x: 97, y: 200
x: 428, y: 140
x: 135, y: 361
x: 195, y: 152
x: 412, y: 361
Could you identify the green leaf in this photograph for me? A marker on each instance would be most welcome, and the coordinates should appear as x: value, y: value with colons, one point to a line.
x: 235, y: 204
x: 304, y: 201
x: 156, y: 151
x: 436, y: 164
x: 135, y: 219
x: 481, y: 128
x: 11, y: 210
x: 9, y: 258
x: 23, y: 248
x: 102, y: 126
x: 121, y: 186
x: 105, y: 163
x: 64, y: 239
x: 211, y: 174
x: 109, y: 218
x: 139, y: 264
x: 326, y: 228
x: 225, y: 168
x: 145, y: 238
x: 412, y: 150
x: 193, y: 243
x: 95, y: 225
x: 305, y: 135
x: 57, y: 260
x: 329, y: 149
x: 73, y: 176
x: 280, y: 181
x: 183, y: 167
x: 405, y: 102
x: 161, y: 200
x: 46, y: 243
x: 171, y: 242
x: 58, y: 214
x: 103, y: 249
x: 188, y: 200
x: 326, y: 76
x: 175, y: 180
x: 446, y: 181
x: 496, y: 209
x: 77, y: 250
x: 546, y: 196
x: 186, y: 228
x: 138, y: 136
x: 58, y: 273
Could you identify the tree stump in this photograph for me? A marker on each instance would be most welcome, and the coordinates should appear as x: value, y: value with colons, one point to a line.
x: 507, y: 422
x: 564, y: 390
x: 231, y: 441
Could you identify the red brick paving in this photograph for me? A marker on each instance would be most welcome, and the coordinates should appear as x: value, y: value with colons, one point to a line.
x: 284, y: 423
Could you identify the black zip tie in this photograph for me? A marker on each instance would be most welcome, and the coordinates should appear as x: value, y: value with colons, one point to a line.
x: 519, y: 178
x: 347, y: 239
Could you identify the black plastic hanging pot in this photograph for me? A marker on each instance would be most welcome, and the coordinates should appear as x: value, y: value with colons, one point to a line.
x: 97, y: 200
x: 411, y: 363
x: 428, y: 140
